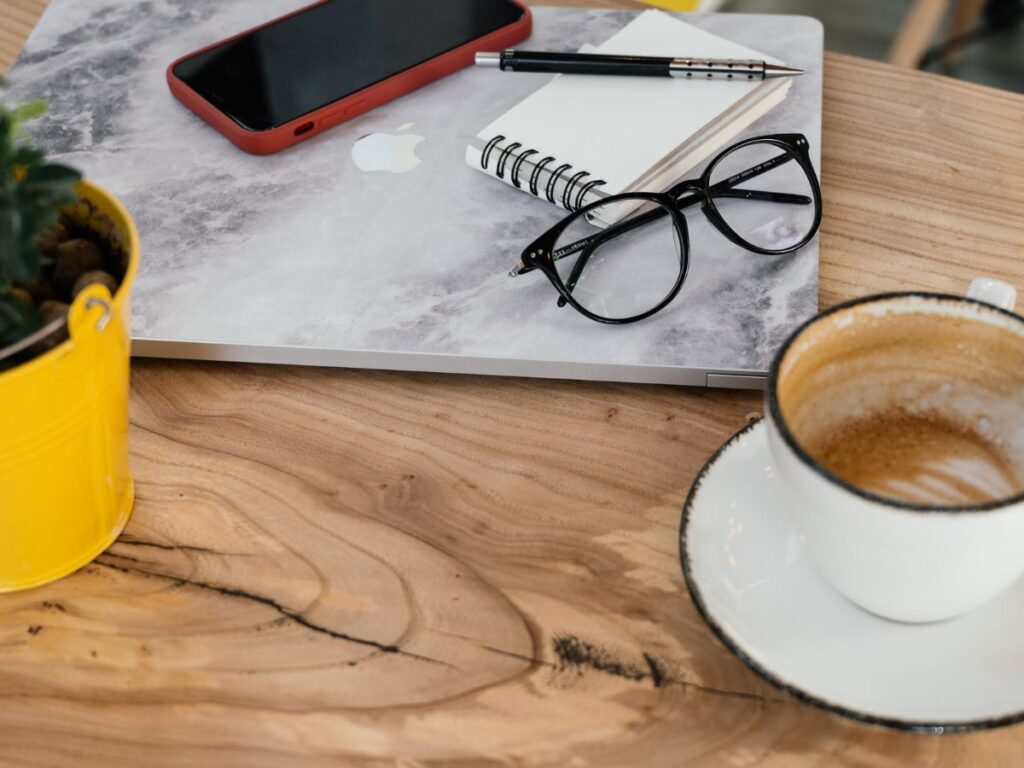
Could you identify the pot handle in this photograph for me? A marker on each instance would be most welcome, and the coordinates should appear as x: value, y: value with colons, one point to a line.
x: 91, y: 311
x: 96, y: 301
x: 994, y: 292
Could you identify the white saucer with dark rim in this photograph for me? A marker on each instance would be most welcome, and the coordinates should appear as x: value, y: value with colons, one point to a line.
x: 751, y: 580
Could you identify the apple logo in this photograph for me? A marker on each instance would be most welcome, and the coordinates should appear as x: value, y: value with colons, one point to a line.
x: 394, y: 153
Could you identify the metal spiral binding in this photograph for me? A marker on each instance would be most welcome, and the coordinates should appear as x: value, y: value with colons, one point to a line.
x: 574, y: 183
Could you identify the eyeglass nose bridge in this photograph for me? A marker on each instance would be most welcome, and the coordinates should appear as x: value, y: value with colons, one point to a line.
x: 689, y: 193
x: 685, y: 186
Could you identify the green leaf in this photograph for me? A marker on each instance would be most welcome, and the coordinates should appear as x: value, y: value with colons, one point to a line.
x: 32, y: 191
x: 52, y: 173
x: 29, y: 111
x: 16, y: 320
x: 27, y: 156
x: 17, y: 262
x: 9, y: 230
x: 6, y: 132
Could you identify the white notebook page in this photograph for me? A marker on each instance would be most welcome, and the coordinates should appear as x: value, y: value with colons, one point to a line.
x: 619, y: 128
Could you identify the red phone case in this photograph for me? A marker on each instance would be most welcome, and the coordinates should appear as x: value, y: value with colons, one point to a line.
x: 276, y: 139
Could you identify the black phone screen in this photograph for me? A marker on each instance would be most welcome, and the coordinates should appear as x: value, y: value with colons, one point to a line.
x: 317, y: 56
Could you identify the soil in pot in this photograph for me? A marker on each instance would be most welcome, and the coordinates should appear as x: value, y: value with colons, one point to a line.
x: 77, y: 256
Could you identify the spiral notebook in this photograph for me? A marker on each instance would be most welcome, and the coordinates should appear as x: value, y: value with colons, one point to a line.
x: 580, y: 138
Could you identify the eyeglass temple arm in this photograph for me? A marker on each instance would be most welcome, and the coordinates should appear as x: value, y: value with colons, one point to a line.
x: 750, y: 173
x: 723, y: 189
x: 748, y: 194
x: 591, y: 243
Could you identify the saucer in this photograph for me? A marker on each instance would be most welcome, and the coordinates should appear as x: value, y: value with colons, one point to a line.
x: 751, y: 580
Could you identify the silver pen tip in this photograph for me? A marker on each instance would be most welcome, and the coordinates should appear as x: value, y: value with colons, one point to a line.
x: 514, y: 272
x: 778, y: 70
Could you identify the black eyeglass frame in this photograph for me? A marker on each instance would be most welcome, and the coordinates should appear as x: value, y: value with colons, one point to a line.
x: 540, y: 254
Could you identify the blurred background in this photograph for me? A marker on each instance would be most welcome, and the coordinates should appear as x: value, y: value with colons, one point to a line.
x: 977, y: 40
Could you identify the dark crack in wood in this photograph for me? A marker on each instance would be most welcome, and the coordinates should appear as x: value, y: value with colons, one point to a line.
x: 171, y: 547
x: 285, y: 612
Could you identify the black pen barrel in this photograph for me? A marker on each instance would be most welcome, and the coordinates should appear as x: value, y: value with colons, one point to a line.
x: 586, y: 64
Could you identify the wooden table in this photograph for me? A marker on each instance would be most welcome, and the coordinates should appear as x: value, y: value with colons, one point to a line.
x: 331, y: 567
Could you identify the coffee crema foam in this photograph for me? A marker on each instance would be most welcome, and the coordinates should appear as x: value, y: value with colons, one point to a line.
x: 914, y: 406
x: 921, y: 459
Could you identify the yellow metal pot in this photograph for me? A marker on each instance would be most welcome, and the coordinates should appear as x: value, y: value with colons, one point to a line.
x: 65, y: 488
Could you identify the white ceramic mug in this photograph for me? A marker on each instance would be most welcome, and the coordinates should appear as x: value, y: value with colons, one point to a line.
x: 902, y: 560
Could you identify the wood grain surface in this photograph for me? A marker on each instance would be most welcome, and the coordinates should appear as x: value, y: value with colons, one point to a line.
x: 347, y: 568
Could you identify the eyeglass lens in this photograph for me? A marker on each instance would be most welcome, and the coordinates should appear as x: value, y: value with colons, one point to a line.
x: 775, y: 221
x: 621, y: 271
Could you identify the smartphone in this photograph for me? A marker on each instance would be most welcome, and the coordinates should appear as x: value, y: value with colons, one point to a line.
x: 293, y: 77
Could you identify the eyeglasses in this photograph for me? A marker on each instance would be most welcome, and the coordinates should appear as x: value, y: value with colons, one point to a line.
x: 624, y: 257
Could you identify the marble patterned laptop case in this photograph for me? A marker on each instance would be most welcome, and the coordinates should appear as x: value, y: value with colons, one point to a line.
x: 301, y: 257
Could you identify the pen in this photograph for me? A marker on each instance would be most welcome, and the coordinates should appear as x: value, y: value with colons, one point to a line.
x: 643, y: 66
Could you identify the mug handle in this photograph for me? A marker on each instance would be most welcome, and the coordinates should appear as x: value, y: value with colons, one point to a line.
x: 994, y: 292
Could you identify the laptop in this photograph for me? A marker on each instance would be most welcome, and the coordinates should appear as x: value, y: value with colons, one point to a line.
x: 374, y: 245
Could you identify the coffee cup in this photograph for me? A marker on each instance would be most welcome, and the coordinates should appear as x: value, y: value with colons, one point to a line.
x: 896, y: 423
